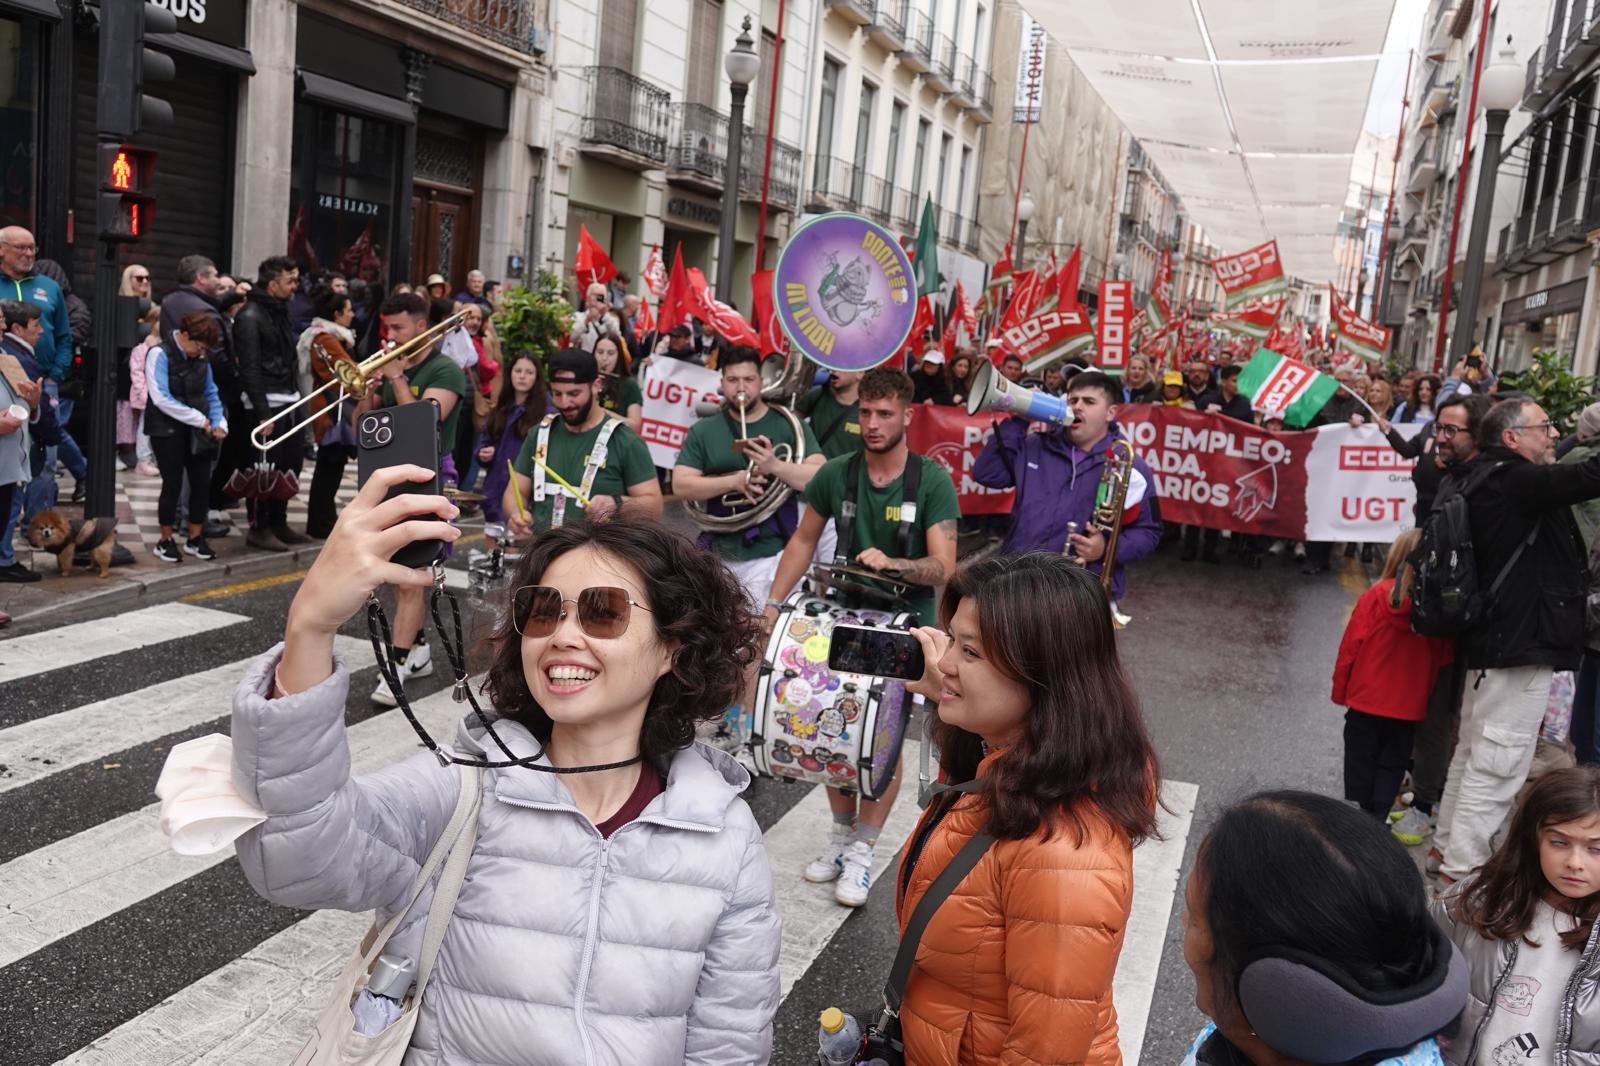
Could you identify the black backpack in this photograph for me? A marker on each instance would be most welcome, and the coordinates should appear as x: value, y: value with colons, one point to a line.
x: 1446, y: 597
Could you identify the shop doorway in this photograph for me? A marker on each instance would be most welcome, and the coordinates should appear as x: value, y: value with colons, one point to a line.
x: 443, y: 239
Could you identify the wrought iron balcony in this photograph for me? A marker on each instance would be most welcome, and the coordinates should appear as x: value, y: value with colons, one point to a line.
x: 877, y: 199
x: 1582, y: 39
x: 784, y: 189
x: 835, y: 183
x: 978, y: 97
x: 698, y: 150
x: 941, y: 74
x: 855, y: 12
x: 1424, y: 164
x: 917, y: 57
x: 627, y: 116
x: 1537, y: 89
x: 508, y: 22
x: 1567, y: 233
x: 888, y: 24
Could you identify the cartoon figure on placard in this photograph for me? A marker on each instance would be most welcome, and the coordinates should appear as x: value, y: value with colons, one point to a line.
x: 843, y: 293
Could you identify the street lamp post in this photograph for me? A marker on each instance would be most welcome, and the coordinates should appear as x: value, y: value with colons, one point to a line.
x: 742, y: 64
x: 1025, y: 209
x: 1499, y: 90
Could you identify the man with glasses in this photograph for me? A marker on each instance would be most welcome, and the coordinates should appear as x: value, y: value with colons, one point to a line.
x: 1519, y: 505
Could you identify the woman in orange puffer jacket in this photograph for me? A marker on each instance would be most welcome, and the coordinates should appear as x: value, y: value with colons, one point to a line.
x: 1016, y: 965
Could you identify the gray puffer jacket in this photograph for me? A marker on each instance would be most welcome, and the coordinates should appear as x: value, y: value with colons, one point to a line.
x: 1577, y: 1037
x: 657, y: 946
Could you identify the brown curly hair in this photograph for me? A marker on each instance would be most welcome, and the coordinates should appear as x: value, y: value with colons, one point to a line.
x: 695, y: 603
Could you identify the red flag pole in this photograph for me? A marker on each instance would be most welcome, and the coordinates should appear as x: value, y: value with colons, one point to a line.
x: 1384, y: 258
x: 1461, y: 193
x: 766, y: 167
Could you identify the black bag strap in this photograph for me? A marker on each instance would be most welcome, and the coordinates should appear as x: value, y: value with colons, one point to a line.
x: 971, y: 852
x: 910, y: 485
x: 833, y: 427
x: 1478, y: 478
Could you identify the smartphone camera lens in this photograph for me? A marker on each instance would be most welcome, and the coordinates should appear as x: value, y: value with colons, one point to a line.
x: 369, y: 424
x: 383, y: 435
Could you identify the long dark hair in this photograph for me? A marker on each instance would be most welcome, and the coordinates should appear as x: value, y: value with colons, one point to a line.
x: 1300, y: 872
x: 504, y: 403
x: 1046, y: 625
x: 1499, y: 903
x: 695, y: 602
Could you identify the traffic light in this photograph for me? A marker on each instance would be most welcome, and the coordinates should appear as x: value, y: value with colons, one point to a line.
x: 126, y: 206
x: 128, y: 68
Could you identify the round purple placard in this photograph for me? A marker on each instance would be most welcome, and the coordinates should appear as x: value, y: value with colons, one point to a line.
x: 844, y: 292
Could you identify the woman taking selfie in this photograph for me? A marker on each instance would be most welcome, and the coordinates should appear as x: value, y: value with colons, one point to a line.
x: 621, y: 912
x: 1306, y: 926
x: 1034, y: 705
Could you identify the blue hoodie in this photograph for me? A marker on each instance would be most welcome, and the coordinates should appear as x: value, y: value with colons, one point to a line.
x: 54, y: 350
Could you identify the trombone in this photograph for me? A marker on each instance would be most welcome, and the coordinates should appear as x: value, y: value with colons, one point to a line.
x: 351, y: 380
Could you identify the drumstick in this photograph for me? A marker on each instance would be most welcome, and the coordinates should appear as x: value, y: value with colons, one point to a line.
x: 516, y: 491
x: 564, y: 483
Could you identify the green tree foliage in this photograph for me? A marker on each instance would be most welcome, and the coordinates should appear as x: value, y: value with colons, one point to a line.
x: 1557, y: 389
x: 533, y: 319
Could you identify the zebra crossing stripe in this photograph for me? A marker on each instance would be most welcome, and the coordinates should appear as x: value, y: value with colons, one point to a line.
x: 80, y: 644
x: 45, y: 746
x: 56, y: 890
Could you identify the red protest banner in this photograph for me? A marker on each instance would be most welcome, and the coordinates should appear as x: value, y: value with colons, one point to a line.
x: 1048, y: 337
x: 1111, y: 327
x: 954, y: 438
x: 1251, y: 274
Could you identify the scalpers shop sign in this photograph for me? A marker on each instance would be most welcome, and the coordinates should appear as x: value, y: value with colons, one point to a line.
x: 221, y: 21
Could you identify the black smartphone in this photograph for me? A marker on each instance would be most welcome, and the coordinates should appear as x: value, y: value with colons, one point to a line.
x: 876, y: 652
x: 401, y: 436
x: 1475, y: 362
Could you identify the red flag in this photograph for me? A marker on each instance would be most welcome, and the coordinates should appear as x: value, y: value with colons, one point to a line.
x: 920, y: 325
x: 1022, y: 299
x: 1067, y: 280
x: 729, y: 324
x: 593, y: 265
x: 767, y: 326
x: 675, y: 308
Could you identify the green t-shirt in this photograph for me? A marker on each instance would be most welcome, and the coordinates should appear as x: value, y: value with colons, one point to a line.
x: 437, y: 372
x: 622, y: 394
x: 878, y: 513
x: 627, y: 463
x: 828, y: 415
x: 708, y: 448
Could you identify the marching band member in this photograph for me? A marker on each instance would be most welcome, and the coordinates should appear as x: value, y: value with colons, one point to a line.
x: 605, y: 465
x: 716, y: 455
x: 1056, y: 474
x: 896, y: 513
x: 834, y: 411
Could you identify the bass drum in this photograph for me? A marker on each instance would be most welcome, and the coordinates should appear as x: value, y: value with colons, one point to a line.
x: 813, y: 724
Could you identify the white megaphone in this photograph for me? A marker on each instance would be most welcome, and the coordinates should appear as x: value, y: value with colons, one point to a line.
x: 991, y: 392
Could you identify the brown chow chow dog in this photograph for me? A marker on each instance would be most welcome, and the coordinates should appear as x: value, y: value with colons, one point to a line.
x: 51, y: 532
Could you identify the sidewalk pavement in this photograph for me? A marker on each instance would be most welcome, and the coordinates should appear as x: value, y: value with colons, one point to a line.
x: 138, y: 531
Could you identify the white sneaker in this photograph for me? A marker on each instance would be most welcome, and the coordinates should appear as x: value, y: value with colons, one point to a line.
x: 418, y: 663
x: 855, y: 876
x: 827, y: 866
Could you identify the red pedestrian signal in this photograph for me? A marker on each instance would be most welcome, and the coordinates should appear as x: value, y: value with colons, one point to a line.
x: 127, y: 174
x: 122, y: 172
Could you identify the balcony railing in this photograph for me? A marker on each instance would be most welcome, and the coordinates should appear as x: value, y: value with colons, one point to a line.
x: 627, y: 113
x: 507, y: 22
x: 699, y: 145
x: 942, y: 74
x: 918, y: 54
x: 1583, y: 34
x: 786, y: 163
x: 978, y: 89
x: 888, y: 23
x: 907, y: 205
x: 1537, y: 89
x: 858, y: 12
x: 834, y: 183
x: 877, y: 198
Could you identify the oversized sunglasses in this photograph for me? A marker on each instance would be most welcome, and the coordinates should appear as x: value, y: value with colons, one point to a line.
x: 603, y: 611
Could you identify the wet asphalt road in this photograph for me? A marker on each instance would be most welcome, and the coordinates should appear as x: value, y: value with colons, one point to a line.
x: 1232, y: 667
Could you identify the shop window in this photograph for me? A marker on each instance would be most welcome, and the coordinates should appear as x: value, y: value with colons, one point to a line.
x: 347, y: 222
x: 19, y: 124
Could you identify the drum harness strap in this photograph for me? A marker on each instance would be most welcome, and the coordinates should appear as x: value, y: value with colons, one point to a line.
x: 843, y: 553
x: 597, y: 459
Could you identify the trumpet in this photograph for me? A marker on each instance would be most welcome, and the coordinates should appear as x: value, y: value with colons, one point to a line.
x: 1110, y: 501
x: 351, y: 380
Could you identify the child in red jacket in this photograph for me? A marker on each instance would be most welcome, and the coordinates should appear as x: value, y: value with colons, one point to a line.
x: 1383, y: 675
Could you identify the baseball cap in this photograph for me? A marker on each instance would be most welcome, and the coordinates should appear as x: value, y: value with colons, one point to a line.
x: 572, y: 366
x: 1172, y: 377
x: 680, y: 330
x: 934, y: 356
x: 436, y: 279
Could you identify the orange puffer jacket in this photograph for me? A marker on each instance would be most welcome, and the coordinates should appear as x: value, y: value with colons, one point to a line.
x: 1015, y: 967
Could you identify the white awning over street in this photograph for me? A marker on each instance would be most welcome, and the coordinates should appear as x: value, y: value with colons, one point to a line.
x: 1250, y: 108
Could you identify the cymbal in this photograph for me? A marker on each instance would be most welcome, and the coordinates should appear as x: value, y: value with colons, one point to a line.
x: 453, y: 493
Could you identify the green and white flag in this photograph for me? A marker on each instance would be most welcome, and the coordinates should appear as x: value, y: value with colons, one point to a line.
x: 1285, y: 386
x: 925, y: 263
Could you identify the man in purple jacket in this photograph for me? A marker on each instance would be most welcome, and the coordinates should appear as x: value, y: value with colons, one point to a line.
x: 1056, y: 474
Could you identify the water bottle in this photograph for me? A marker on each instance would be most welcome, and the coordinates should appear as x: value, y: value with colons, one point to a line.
x: 838, y: 1038
x: 380, y: 1003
